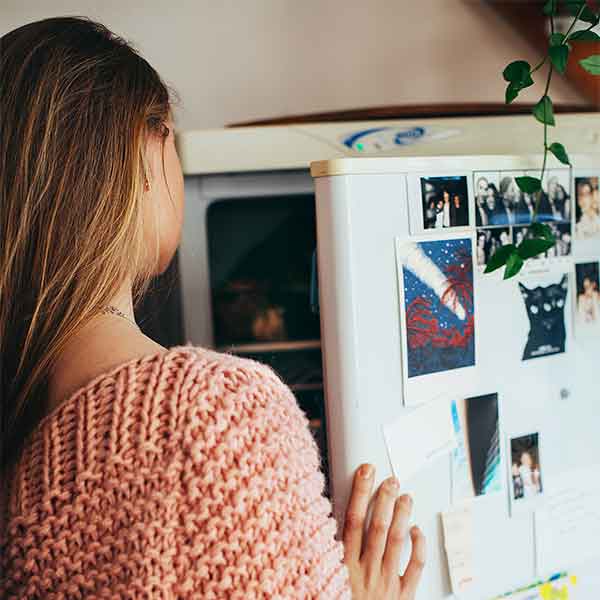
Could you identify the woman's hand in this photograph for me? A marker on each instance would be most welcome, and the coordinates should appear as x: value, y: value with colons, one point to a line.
x: 374, y: 560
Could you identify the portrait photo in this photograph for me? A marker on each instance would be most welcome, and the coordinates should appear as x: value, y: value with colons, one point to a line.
x: 587, y: 208
x: 587, y: 305
x: 526, y: 470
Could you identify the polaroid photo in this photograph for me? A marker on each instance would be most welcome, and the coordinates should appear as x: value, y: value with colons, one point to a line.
x: 544, y: 304
x: 477, y: 459
x: 587, y: 299
x: 587, y: 207
x: 437, y: 306
x: 525, y: 473
x: 439, y: 203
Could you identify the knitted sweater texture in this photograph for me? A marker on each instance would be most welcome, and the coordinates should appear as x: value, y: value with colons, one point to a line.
x: 185, y: 474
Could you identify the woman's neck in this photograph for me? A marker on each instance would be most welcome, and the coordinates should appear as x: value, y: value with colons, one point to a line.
x: 106, y: 341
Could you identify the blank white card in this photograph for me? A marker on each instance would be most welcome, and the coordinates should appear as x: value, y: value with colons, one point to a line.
x: 419, y: 437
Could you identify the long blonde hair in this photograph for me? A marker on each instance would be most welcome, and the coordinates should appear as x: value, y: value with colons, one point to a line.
x: 77, y: 105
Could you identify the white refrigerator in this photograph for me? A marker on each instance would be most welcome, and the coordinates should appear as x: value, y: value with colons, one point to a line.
x: 392, y: 238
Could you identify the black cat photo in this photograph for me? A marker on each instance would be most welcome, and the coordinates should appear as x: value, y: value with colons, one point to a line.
x: 546, y: 311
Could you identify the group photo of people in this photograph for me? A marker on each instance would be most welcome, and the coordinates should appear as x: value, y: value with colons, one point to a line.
x: 500, y: 202
x: 445, y: 202
x: 587, y: 208
x: 489, y: 240
x: 562, y: 235
x: 503, y: 213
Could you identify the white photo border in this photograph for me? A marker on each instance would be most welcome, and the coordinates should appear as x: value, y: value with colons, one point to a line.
x: 581, y: 245
x: 415, y: 201
x: 519, y: 508
x: 417, y: 390
x: 536, y: 266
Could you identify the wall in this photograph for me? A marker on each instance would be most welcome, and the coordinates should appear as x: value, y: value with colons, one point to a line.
x: 239, y: 60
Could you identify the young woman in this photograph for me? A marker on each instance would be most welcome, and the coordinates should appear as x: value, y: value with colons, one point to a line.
x: 130, y: 470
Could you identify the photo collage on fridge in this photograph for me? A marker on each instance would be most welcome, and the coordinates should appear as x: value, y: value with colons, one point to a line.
x: 458, y: 221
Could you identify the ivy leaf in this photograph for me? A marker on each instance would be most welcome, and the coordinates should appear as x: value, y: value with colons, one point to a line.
x: 556, y: 39
x: 559, y: 55
x: 518, y: 73
x: 511, y: 93
x: 513, y: 265
x: 559, y: 151
x: 516, y: 70
x: 587, y: 14
x: 543, y: 111
x: 533, y: 247
x: 529, y: 185
x: 591, y: 64
x: 584, y: 36
x: 550, y: 7
x: 499, y: 258
x: 541, y: 230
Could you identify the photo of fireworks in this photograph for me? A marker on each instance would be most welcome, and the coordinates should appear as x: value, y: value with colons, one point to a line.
x: 439, y: 305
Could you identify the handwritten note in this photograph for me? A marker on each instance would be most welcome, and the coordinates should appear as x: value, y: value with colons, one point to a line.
x: 567, y: 527
x: 458, y: 541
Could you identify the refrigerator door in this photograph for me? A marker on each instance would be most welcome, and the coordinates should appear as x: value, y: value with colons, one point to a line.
x: 363, y: 210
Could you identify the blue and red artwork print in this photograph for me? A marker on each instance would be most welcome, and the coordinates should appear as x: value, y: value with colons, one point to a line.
x: 439, y: 305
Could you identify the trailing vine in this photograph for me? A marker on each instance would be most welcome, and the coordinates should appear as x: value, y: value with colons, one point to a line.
x: 519, y: 75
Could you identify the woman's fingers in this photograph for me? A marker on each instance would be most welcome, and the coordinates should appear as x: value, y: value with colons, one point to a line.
x: 397, y: 535
x: 381, y: 520
x: 357, y: 511
x: 416, y: 564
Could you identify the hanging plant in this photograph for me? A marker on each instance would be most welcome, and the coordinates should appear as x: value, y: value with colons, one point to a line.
x: 519, y: 76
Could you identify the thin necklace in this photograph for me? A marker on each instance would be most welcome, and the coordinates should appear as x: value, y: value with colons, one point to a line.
x: 115, y: 311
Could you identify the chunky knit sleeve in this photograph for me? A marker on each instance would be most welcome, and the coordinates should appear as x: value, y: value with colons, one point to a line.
x: 180, y: 476
x: 254, y: 516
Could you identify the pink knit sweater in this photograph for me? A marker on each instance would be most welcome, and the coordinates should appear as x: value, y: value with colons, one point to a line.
x: 186, y: 474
